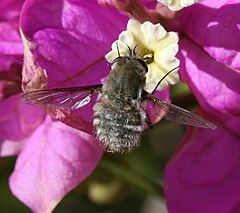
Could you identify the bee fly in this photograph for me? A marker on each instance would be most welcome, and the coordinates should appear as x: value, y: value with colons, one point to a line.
x: 120, y: 113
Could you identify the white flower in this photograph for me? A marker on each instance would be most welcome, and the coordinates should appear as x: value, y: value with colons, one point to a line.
x: 155, y: 46
x: 176, y: 5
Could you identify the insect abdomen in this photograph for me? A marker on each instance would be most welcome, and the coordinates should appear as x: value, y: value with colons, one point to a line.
x: 118, y: 131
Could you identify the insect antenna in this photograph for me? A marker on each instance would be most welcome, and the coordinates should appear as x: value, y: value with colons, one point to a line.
x: 108, y: 65
x: 134, y: 50
x: 163, y: 79
x: 118, y: 49
x: 130, y: 51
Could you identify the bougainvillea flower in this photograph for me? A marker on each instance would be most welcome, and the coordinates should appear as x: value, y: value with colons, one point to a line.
x: 64, y: 45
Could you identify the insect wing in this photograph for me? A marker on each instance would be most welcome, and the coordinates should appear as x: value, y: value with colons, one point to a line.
x: 71, y: 98
x: 177, y: 114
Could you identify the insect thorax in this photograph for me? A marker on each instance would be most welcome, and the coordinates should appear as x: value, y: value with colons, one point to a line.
x: 126, y: 79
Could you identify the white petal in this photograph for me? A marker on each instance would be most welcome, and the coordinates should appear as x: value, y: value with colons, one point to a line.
x: 176, y: 5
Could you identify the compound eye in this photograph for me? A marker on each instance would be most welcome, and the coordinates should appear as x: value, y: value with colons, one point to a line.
x: 117, y: 59
x: 143, y: 64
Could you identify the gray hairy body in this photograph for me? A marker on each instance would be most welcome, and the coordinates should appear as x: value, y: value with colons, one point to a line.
x: 119, y: 117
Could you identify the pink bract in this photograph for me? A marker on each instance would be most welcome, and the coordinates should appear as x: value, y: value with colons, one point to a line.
x: 68, y: 50
x: 210, y: 55
x: 16, y: 121
x: 55, y: 159
x: 205, y: 173
x: 204, y: 170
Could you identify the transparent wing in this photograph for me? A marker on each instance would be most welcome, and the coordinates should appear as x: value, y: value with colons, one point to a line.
x: 177, y: 114
x: 71, y: 98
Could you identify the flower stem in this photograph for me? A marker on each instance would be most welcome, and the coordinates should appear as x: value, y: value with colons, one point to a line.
x: 131, y: 177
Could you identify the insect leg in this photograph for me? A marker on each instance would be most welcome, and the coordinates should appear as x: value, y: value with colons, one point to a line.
x: 148, y: 121
x: 109, y: 65
x: 163, y: 79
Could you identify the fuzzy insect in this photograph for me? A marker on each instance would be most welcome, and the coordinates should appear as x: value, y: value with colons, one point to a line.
x: 120, y: 112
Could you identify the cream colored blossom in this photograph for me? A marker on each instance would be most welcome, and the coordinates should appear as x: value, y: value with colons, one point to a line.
x: 176, y: 5
x: 155, y: 46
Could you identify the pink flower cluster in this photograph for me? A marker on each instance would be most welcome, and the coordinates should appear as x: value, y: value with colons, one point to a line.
x: 63, y: 43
